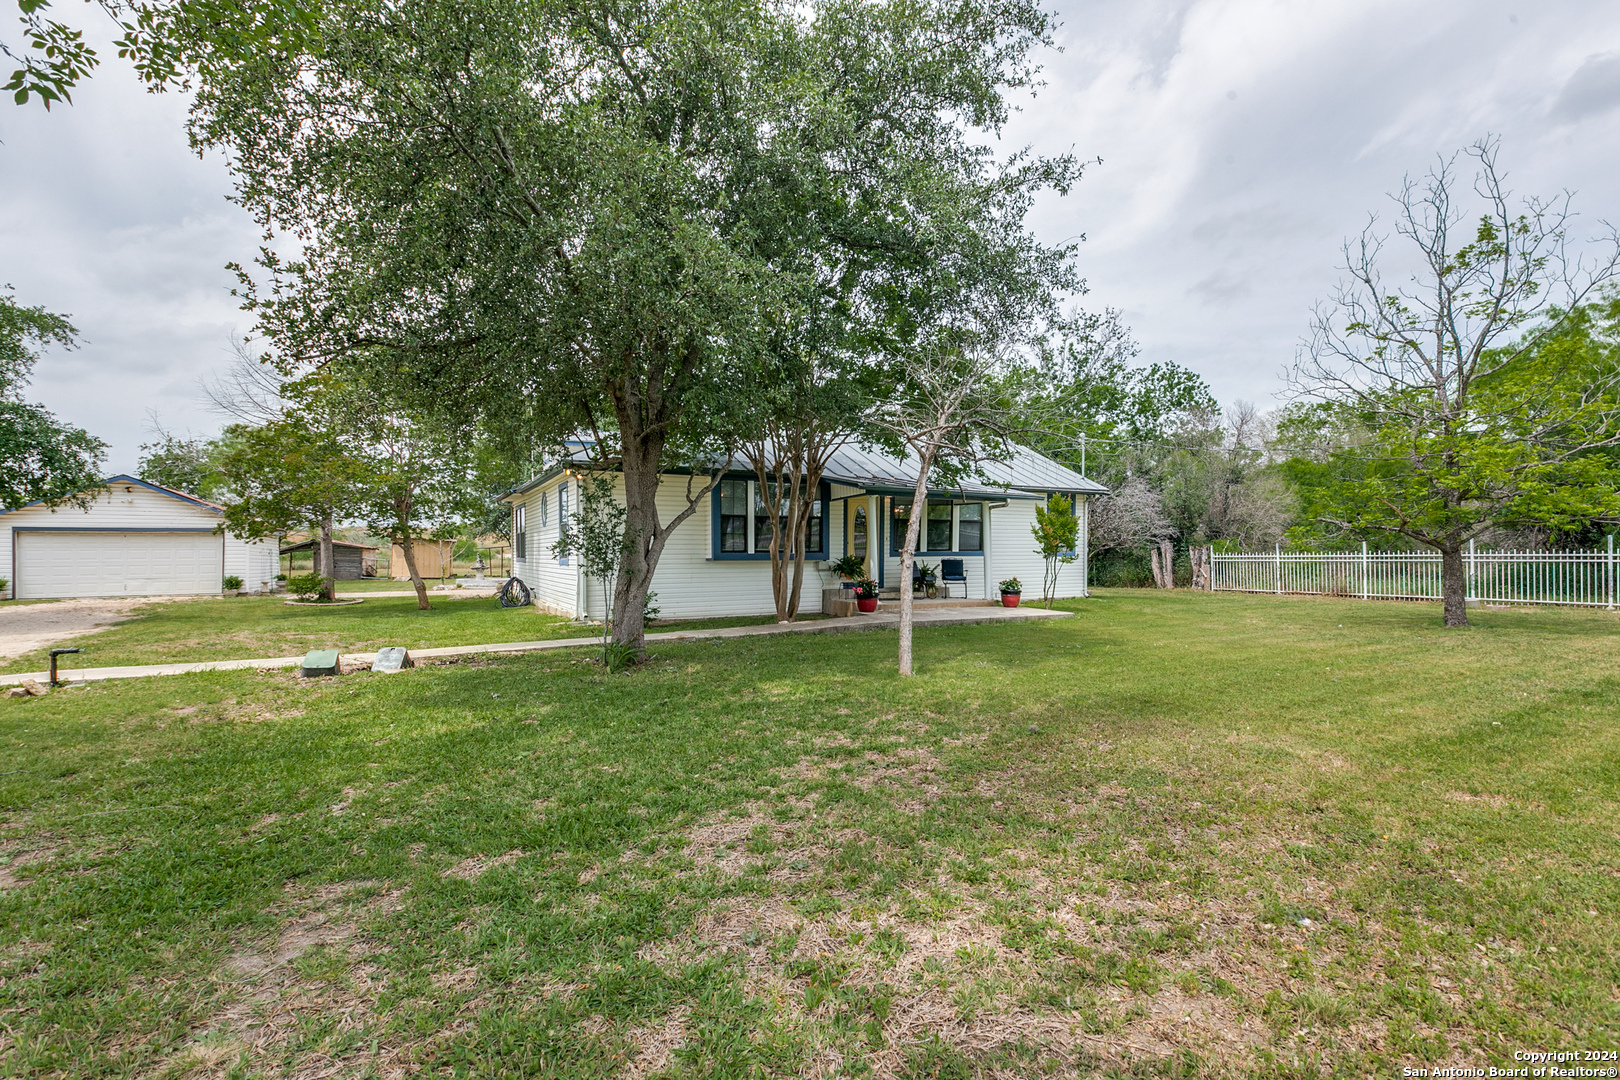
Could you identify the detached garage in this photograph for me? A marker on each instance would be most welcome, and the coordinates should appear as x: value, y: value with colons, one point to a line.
x: 136, y: 539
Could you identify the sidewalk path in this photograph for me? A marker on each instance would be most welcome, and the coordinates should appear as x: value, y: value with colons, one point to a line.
x: 883, y: 620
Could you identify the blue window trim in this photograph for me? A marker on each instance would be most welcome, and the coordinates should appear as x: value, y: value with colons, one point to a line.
x: 895, y: 534
x: 764, y: 556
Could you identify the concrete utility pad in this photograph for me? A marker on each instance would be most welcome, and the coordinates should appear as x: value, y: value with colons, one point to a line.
x: 392, y: 658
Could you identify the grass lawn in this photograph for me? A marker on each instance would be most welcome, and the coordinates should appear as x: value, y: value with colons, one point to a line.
x: 1178, y: 834
x: 183, y: 631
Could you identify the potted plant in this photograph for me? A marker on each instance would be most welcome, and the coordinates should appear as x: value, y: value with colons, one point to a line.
x: 926, y: 578
x: 866, y: 595
x: 232, y: 584
x: 1011, y: 591
x: 851, y: 568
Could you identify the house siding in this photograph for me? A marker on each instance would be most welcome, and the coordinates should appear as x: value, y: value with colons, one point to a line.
x: 139, y: 508
x: 690, y: 584
x: 1013, y: 551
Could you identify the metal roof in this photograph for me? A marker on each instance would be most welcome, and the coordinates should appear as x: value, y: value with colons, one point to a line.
x: 1027, y: 473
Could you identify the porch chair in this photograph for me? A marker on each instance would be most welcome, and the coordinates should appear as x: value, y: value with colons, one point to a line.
x: 951, y: 572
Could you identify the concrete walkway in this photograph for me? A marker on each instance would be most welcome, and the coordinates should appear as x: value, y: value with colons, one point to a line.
x: 882, y: 620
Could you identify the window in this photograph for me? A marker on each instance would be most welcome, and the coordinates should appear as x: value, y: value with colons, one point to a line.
x: 970, y: 527
x: 562, y: 517
x: 857, y: 533
x: 520, y: 546
x: 733, y: 516
x: 743, y: 526
x: 812, y: 528
x: 939, y: 527
x: 900, y: 516
x: 762, y: 522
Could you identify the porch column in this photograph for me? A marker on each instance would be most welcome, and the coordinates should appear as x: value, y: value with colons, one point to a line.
x: 991, y: 592
x: 874, y: 537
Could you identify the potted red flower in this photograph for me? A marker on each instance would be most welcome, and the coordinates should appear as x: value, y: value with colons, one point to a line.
x: 1011, y: 591
x: 866, y: 595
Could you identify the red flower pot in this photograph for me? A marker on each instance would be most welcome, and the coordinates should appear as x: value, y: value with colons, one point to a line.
x: 866, y: 604
x: 1009, y: 599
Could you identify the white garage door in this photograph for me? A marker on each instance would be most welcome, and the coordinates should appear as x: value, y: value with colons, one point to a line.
x: 71, y: 563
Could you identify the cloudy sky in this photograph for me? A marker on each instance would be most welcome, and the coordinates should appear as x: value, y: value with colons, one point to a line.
x: 1241, y: 142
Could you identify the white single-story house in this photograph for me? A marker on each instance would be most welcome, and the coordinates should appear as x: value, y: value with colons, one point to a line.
x: 136, y: 539
x: 717, y: 563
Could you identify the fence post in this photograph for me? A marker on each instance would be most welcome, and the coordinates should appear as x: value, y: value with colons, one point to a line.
x: 1364, y: 589
x: 1212, y: 568
x: 1277, y: 570
x: 1611, y: 572
x: 1469, y: 590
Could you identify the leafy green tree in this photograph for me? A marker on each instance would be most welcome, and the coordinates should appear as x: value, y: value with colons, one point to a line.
x: 286, y: 476
x: 416, y: 477
x: 1057, y: 535
x: 41, y: 458
x: 1456, y: 412
x: 596, y: 534
x: 155, y: 35
x: 182, y: 463
x: 590, y: 234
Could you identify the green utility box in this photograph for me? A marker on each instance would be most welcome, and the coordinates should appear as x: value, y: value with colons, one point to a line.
x: 319, y: 662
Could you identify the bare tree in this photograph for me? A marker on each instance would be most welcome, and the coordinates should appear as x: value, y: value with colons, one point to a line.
x: 249, y: 390
x: 1467, y: 425
x: 1131, y: 518
x: 952, y: 416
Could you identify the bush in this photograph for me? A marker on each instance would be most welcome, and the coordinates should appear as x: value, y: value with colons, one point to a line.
x: 1122, y: 569
x: 232, y: 582
x: 3, y: 584
x: 306, y: 586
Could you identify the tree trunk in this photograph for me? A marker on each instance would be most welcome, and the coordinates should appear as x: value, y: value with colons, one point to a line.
x: 328, y: 571
x: 407, y: 548
x: 1167, y: 555
x: 1158, y: 568
x: 643, y: 539
x: 908, y: 556
x: 1199, y: 557
x: 1453, y: 583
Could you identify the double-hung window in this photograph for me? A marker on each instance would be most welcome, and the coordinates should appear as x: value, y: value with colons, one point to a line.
x: 970, y: 527
x: 939, y: 527
x: 733, y: 516
x: 562, y: 517
x: 744, y: 524
x: 520, y: 545
x: 946, y: 527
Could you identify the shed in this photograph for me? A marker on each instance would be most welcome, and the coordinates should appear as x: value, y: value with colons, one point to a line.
x: 432, y: 560
x: 351, y: 561
x: 136, y: 538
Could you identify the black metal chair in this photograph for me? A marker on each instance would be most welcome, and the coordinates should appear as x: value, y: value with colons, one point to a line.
x: 952, y: 572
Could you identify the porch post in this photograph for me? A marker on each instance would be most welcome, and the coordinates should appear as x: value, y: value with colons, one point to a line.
x: 876, y: 538
x: 989, y: 579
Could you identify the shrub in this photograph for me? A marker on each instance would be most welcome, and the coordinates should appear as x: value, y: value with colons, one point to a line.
x: 3, y: 585
x: 306, y: 586
x: 619, y: 656
x: 232, y: 582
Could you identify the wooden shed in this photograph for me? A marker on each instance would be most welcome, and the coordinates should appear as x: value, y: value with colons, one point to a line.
x: 432, y: 560
x: 350, y: 561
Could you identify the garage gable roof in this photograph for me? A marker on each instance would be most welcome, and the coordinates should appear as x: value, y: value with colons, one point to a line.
x: 125, y: 478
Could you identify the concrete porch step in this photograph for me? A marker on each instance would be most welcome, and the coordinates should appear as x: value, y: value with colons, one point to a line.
x: 891, y: 598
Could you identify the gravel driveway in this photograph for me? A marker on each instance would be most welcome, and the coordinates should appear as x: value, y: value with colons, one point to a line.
x: 26, y: 627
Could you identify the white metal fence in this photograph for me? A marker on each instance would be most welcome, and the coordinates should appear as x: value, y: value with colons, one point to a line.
x: 1583, y: 578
